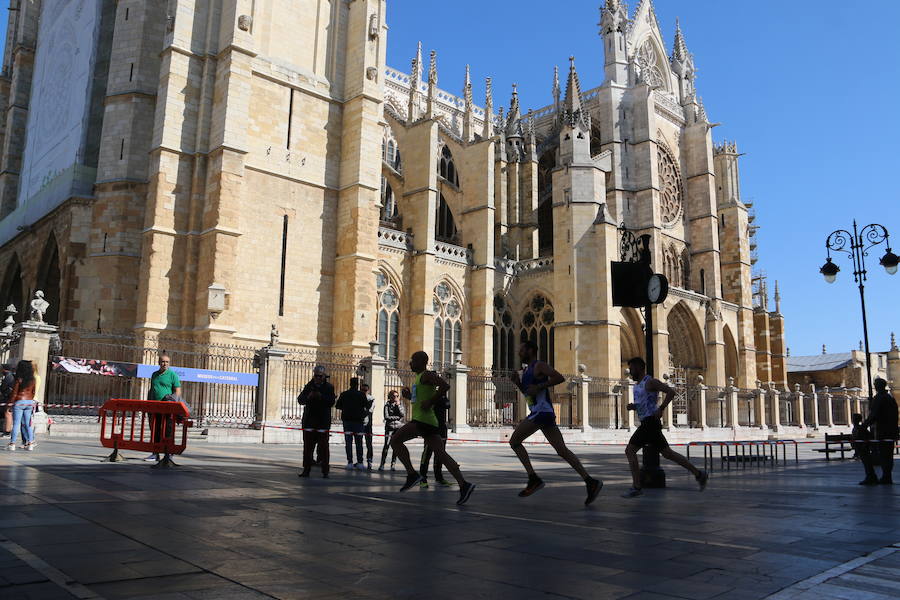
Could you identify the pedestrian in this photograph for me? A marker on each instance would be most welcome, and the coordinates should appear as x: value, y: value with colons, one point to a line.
x: 393, y: 420
x: 883, y: 414
x: 6, y: 386
x: 370, y: 405
x: 22, y: 398
x: 317, y: 398
x: 861, y: 442
x: 352, y: 404
x: 441, y: 407
x: 535, y: 382
x: 649, y: 432
x: 164, y: 386
x: 426, y: 388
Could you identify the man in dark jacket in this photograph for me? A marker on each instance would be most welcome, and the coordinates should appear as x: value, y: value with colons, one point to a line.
x: 317, y: 398
x: 883, y: 414
x: 352, y: 404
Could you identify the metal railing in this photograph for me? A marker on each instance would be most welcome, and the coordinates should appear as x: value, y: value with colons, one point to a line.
x: 298, y: 371
x: 605, y: 408
x: 716, y: 407
x: 492, y: 399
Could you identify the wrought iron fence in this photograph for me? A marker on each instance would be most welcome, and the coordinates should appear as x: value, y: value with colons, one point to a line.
x: 565, y: 403
x: 823, y: 409
x: 605, y: 408
x: 76, y: 397
x: 716, y: 407
x: 746, y: 414
x: 492, y: 399
x: 397, y: 379
x: 839, y: 403
x: 298, y: 371
x: 809, y: 410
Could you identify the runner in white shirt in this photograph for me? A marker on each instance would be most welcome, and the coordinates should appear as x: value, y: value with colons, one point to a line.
x: 649, y: 432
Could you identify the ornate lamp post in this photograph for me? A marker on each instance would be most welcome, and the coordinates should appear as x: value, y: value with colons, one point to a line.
x: 857, y: 245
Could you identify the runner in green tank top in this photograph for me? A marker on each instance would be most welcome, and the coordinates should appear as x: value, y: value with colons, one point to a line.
x: 428, y: 385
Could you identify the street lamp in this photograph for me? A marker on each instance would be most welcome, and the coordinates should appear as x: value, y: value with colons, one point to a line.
x: 857, y: 245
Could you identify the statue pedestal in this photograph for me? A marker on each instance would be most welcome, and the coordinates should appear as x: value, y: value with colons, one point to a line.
x: 34, y: 345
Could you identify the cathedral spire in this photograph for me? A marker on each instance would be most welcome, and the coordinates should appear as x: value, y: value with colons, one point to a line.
x: 531, y: 136
x: 469, y: 114
x: 432, y: 85
x: 415, y: 80
x: 488, y: 131
x: 556, y: 91
x: 777, y: 299
x: 575, y: 113
x: 679, y: 48
x: 613, y: 27
x: 514, y: 120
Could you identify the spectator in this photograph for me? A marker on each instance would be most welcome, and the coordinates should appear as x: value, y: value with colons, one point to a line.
x: 22, y: 397
x: 6, y: 386
x: 883, y: 414
x: 352, y: 404
x: 164, y: 385
x: 370, y: 404
x: 317, y: 398
x: 861, y: 445
x: 393, y: 420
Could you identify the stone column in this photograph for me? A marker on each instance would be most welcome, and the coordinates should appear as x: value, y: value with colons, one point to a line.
x: 271, y: 390
x: 34, y: 345
x: 731, y: 398
x: 801, y: 410
x: 760, y: 405
x: 815, y: 405
x: 582, y: 396
x: 459, y: 379
x: 701, y: 398
x: 828, y: 407
x: 775, y: 400
x: 627, y: 398
x: 375, y: 377
x: 850, y: 402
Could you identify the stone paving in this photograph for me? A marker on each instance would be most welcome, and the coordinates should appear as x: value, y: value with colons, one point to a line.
x: 236, y: 522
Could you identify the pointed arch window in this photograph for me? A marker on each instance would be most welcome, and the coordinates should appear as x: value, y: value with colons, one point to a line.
x: 447, y: 324
x: 445, y: 226
x: 505, y: 350
x: 389, y: 214
x: 537, y: 326
x: 390, y: 152
x: 388, y: 324
x: 446, y: 167
x: 546, y: 164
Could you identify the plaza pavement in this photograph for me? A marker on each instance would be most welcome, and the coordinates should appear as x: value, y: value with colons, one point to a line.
x: 236, y: 522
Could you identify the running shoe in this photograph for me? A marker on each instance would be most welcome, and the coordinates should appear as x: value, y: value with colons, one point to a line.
x: 593, y: 490
x: 444, y: 482
x: 349, y: 467
x: 30, y: 446
x: 869, y: 481
x: 633, y: 493
x: 702, y: 478
x: 303, y: 473
x: 11, y: 447
x: 411, y: 480
x: 424, y: 483
x: 464, y: 492
x: 534, y: 484
x: 359, y: 467
x: 152, y: 458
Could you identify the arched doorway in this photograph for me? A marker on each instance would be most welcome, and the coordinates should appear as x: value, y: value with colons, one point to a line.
x: 686, y: 361
x: 631, y: 338
x: 12, y: 290
x: 731, y: 356
x: 48, y: 279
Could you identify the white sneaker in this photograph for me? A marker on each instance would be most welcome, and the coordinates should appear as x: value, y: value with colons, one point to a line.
x: 30, y: 446
x: 11, y: 447
x: 349, y: 466
x: 359, y: 467
x: 152, y: 458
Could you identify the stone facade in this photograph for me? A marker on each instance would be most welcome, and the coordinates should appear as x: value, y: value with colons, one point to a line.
x: 260, y: 163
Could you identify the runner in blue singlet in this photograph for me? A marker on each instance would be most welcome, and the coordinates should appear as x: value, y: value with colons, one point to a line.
x: 535, y: 382
x: 649, y: 432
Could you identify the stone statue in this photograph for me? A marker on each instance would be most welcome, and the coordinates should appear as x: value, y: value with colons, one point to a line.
x: 273, y: 336
x: 39, y: 307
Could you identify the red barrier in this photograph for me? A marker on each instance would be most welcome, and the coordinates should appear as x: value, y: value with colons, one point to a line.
x: 144, y: 425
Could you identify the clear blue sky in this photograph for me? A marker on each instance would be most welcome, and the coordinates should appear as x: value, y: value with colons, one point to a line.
x: 809, y: 89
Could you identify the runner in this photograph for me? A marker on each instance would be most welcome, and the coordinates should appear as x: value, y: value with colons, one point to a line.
x: 537, y: 378
x: 649, y: 432
x: 427, y: 387
x: 441, y: 406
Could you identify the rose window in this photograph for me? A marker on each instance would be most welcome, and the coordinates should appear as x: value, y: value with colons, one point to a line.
x: 669, y: 187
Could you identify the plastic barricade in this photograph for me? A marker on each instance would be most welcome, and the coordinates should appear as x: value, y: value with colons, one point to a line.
x: 144, y: 425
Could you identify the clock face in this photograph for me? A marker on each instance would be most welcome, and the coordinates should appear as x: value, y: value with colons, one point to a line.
x: 655, y: 289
